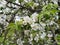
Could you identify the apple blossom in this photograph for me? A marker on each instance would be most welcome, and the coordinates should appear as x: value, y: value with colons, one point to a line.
x: 19, y: 42
x: 35, y: 26
x: 50, y: 35
x: 43, y: 35
x: 34, y: 16
x: 27, y: 19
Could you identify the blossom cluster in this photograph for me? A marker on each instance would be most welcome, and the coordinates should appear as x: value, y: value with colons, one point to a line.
x: 36, y: 30
x: 23, y: 23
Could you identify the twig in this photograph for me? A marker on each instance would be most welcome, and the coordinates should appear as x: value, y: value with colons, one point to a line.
x: 30, y: 9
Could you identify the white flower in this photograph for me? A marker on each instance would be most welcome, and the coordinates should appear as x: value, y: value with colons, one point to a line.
x: 17, y: 18
x: 19, y: 42
x: 50, y: 23
x: 24, y: 23
x: 50, y: 35
x: 2, y: 3
x: 36, y: 4
x: 27, y: 19
x: 7, y: 10
x: 17, y: 1
x: 35, y: 26
x: 3, y: 16
x: 0, y: 11
x: 42, y: 24
x: 43, y: 35
x: 34, y: 17
x: 2, y: 19
x: 31, y: 38
x: 55, y: 2
x: 36, y: 38
x: 27, y: 1
x: 26, y: 32
x: 59, y: 8
x: 57, y: 17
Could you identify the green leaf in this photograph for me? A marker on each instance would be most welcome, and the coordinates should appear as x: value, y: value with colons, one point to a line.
x: 1, y: 39
x: 40, y: 17
x: 21, y: 1
x: 47, y: 13
x: 11, y: 26
x: 30, y: 4
x: 10, y: 33
x: 53, y: 11
x: 58, y: 39
x: 18, y: 25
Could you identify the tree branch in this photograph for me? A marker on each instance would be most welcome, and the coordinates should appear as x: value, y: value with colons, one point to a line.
x: 30, y: 9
